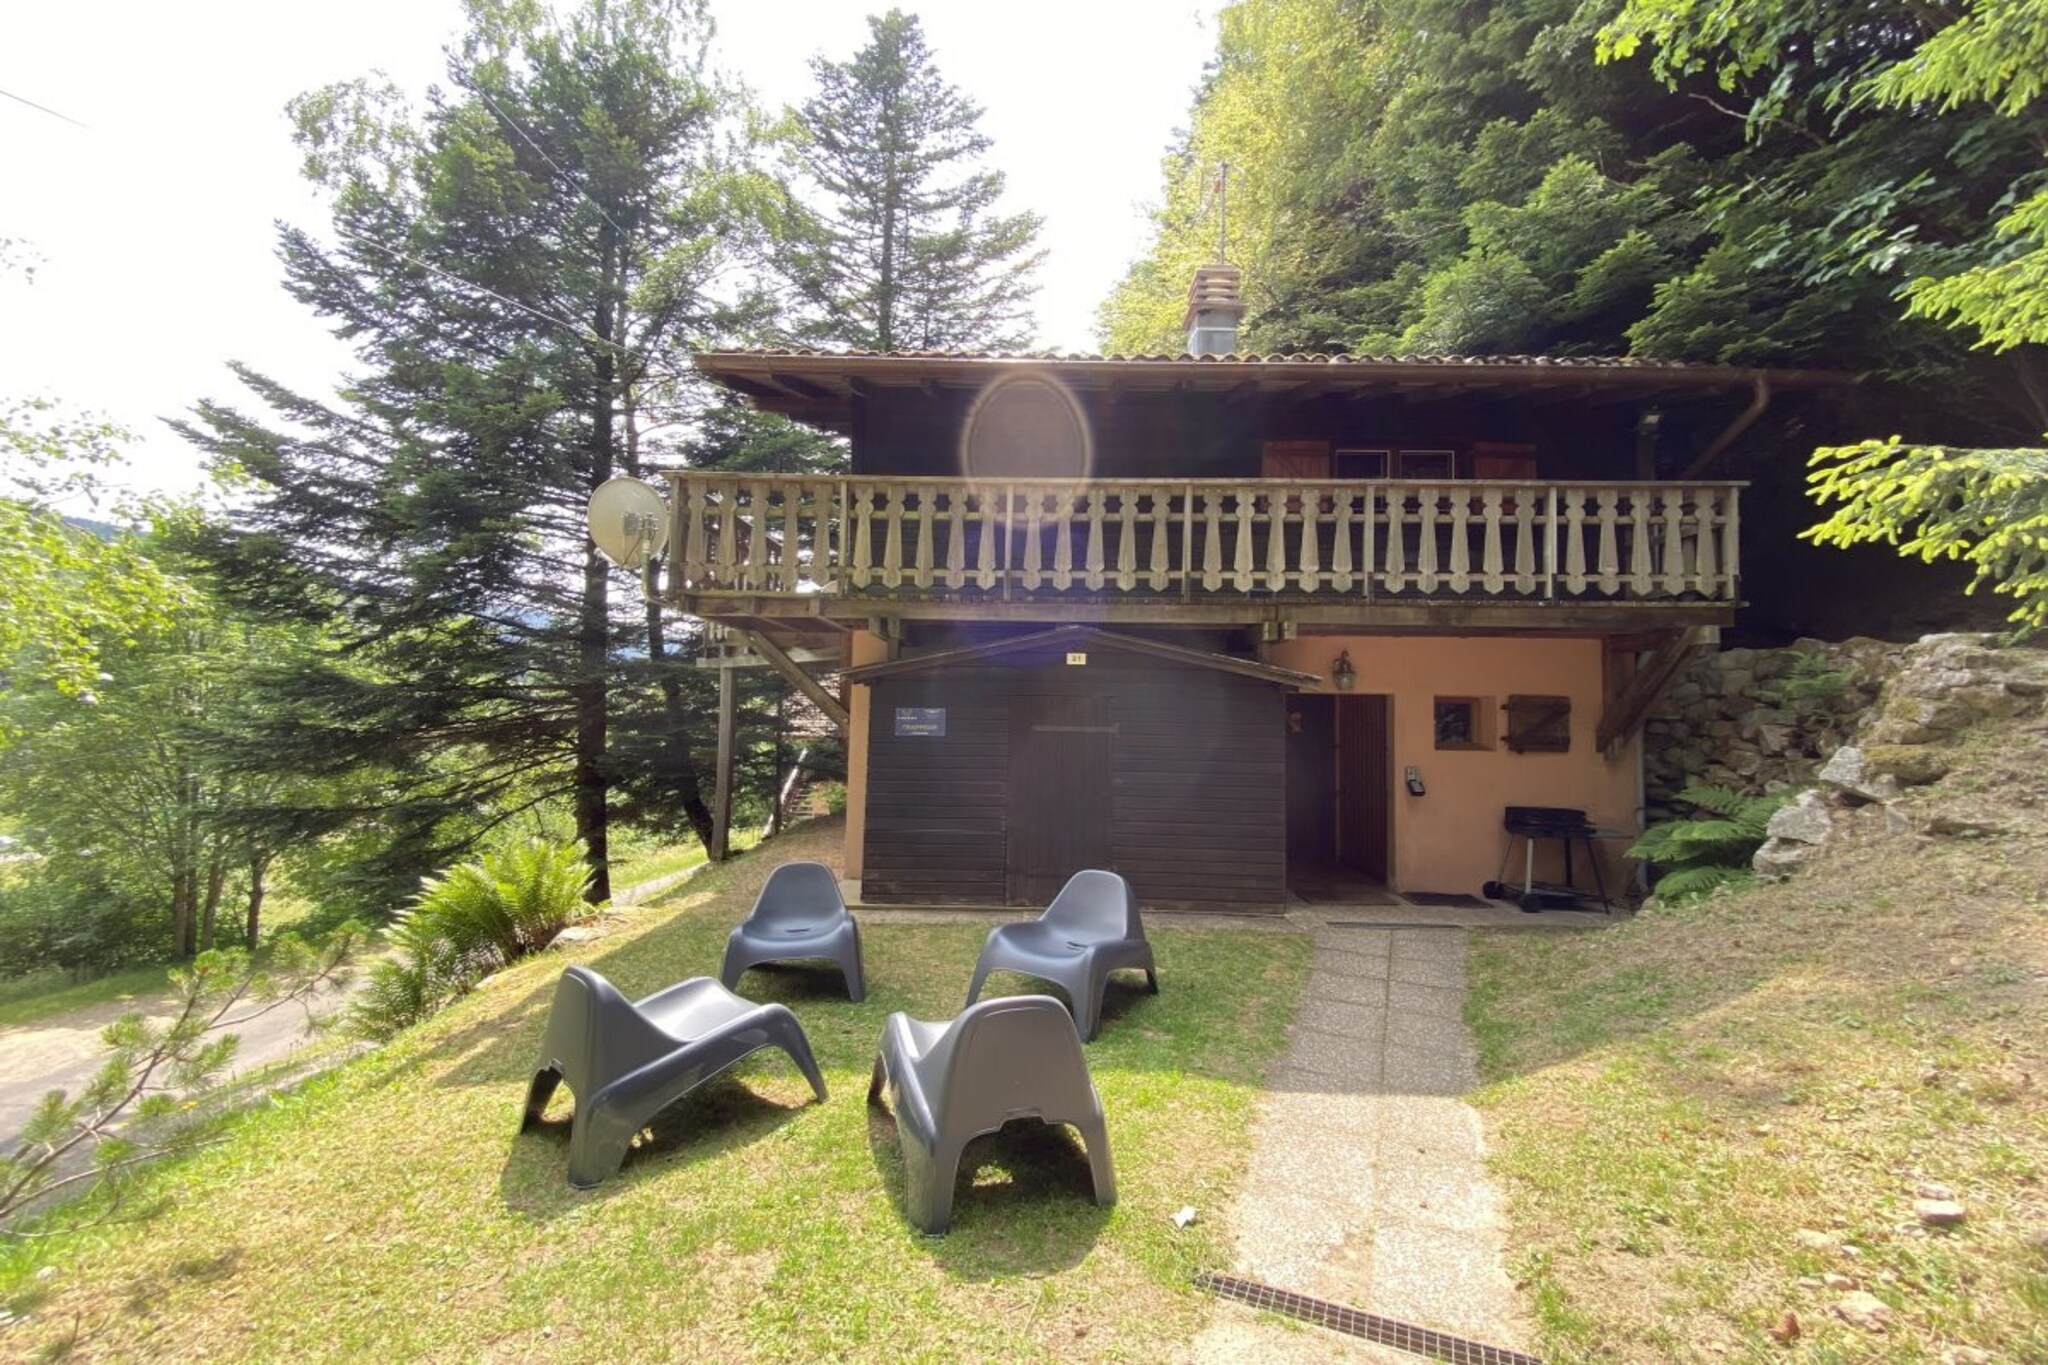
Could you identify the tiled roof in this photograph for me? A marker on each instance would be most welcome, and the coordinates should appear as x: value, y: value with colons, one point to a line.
x: 1601, y: 362
x: 823, y: 387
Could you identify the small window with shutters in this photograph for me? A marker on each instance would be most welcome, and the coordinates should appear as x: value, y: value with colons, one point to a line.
x: 1539, y: 725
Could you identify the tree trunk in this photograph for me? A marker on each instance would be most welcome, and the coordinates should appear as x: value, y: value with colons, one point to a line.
x: 885, y: 291
x: 209, y: 911
x: 593, y: 624
x: 259, y: 866
x: 184, y: 898
x: 681, y: 759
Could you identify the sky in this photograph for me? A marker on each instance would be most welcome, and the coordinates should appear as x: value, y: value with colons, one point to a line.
x: 150, y: 227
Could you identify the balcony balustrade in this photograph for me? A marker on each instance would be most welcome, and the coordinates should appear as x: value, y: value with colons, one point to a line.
x: 867, y: 540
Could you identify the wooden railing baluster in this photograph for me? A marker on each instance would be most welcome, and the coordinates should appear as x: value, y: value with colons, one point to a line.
x: 1425, y: 550
x: 1276, y: 541
x: 1128, y: 539
x: 1490, y: 551
x: 1396, y: 579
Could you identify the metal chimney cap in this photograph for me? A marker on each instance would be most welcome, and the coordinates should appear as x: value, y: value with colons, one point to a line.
x: 1216, y: 289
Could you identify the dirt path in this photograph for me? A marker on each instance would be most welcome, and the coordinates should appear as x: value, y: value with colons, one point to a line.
x: 62, y: 1052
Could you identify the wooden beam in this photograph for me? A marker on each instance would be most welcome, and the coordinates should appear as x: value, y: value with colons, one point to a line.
x: 803, y: 387
x: 754, y: 389
x: 721, y: 800
x: 795, y: 676
x: 1627, y: 707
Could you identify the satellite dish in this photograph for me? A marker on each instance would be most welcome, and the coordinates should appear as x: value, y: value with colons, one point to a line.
x: 629, y: 522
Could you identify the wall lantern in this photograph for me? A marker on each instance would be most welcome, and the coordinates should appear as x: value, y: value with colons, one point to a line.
x: 1342, y: 673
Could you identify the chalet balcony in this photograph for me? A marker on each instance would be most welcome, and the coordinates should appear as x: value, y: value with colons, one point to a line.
x: 1495, y: 554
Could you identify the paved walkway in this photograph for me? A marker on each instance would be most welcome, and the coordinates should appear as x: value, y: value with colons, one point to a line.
x: 1367, y: 1184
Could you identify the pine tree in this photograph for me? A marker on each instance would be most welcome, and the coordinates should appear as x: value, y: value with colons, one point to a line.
x: 909, y: 253
x: 517, y: 266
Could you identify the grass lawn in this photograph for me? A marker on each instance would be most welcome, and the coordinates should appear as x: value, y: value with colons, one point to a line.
x: 644, y: 865
x: 1719, y: 1115
x: 391, y: 1210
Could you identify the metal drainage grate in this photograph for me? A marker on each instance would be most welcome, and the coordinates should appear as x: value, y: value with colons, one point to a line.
x: 1356, y: 1322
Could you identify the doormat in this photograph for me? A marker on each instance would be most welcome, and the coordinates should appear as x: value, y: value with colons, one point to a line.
x: 1355, y: 1322
x: 1445, y: 900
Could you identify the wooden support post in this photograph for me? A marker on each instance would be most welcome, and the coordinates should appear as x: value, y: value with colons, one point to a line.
x: 1627, y: 706
x: 794, y: 674
x: 728, y: 724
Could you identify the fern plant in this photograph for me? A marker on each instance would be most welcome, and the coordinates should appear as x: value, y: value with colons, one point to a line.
x: 1711, y: 850
x: 466, y: 924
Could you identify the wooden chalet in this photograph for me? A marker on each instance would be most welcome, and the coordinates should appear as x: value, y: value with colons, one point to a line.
x: 1231, y: 625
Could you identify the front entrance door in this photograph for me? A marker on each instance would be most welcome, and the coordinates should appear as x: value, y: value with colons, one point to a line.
x: 1365, y: 777
x: 1311, y: 773
x: 1060, y: 796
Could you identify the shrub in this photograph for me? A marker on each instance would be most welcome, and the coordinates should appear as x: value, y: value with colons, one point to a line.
x: 468, y: 923
x: 83, y: 921
x: 1711, y: 850
x: 1808, y: 685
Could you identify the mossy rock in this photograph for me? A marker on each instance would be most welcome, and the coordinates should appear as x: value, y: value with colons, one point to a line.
x: 1910, y: 765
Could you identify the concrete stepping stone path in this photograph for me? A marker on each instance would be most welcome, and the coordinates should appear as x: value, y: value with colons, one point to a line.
x: 1367, y: 1184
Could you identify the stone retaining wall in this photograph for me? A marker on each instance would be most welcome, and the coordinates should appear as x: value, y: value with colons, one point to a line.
x: 1759, y: 720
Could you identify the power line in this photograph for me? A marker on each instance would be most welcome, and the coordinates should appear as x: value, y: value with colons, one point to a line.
x: 44, y: 108
x: 525, y: 137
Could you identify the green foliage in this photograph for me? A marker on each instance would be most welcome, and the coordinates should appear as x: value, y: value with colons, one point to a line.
x: 141, y: 818
x: 1696, y: 856
x: 1807, y: 685
x: 1987, y: 508
x: 1970, y: 72
x: 731, y: 433
x: 904, y: 252
x: 1460, y: 177
x: 66, y: 592
x: 517, y: 265
x: 465, y: 925
x: 2006, y: 302
x: 145, y: 1100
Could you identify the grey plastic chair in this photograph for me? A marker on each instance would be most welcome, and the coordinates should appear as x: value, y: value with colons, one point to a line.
x: 798, y: 916
x: 627, y: 1060
x: 1090, y: 930
x: 1013, y: 1057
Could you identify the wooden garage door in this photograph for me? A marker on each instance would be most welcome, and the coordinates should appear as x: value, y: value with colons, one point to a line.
x: 1060, y: 797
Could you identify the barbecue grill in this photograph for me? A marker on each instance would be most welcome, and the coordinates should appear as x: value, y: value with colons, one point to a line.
x: 1567, y: 826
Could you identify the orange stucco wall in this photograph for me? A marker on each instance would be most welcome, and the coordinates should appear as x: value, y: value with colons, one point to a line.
x: 1451, y: 839
x: 865, y: 648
